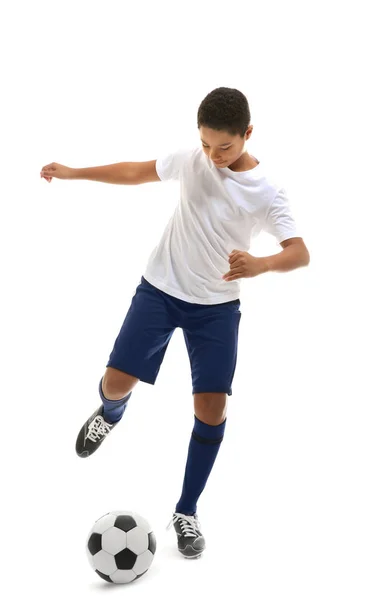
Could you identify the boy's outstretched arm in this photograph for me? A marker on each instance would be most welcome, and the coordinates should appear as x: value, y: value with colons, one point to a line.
x: 124, y: 173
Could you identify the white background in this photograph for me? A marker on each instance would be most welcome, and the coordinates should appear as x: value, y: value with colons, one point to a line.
x: 296, y: 506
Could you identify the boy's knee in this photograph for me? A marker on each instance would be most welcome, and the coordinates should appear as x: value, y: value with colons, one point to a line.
x: 117, y: 384
x: 211, y: 408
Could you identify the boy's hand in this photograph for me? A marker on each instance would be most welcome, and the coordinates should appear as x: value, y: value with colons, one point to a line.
x: 243, y: 264
x: 56, y: 170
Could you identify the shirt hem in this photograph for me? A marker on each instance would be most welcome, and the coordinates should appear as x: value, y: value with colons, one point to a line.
x: 181, y: 296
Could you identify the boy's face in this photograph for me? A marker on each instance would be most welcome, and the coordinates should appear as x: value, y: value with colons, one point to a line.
x: 221, y: 147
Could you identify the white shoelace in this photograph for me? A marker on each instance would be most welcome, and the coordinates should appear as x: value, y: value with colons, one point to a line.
x: 97, y: 428
x: 189, y: 524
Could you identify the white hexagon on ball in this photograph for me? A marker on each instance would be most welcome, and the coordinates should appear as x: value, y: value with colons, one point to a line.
x: 143, y: 562
x: 104, y: 523
x: 104, y: 562
x: 137, y: 540
x: 122, y: 576
x: 114, y: 540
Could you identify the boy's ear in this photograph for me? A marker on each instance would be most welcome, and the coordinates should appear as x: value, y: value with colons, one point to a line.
x: 249, y: 132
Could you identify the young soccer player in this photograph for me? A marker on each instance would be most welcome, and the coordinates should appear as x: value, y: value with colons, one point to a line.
x: 192, y: 281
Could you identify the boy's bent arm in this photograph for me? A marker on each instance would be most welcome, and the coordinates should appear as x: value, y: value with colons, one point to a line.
x: 124, y: 173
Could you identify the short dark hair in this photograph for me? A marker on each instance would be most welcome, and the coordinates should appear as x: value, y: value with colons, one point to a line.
x: 225, y: 109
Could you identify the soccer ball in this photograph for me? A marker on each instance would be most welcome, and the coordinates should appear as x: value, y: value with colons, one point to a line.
x: 121, y: 546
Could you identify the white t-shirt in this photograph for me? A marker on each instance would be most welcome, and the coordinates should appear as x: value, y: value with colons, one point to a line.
x: 219, y: 210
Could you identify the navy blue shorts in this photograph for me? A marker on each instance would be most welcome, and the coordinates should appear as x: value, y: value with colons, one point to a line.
x: 210, y: 332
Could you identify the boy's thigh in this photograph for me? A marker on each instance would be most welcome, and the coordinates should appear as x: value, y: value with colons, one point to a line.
x: 212, y: 342
x: 142, y: 341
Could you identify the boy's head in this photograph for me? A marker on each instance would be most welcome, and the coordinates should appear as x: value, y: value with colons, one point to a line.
x: 224, y: 125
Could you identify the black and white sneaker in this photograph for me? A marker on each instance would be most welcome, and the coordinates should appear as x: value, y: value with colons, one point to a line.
x: 93, y: 433
x: 191, y: 542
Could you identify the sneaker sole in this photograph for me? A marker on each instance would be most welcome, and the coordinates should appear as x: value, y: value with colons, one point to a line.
x: 192, y: 555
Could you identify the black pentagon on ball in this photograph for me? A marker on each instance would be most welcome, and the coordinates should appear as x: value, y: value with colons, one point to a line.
x: 141, y: 575
x: 125, y: 522
x: 125, y: 559
x: 106, y: 577
x: 94, y: 543
x: 151, y: 542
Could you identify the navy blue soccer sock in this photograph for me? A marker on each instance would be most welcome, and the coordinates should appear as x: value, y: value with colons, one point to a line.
x: 203, y: 449
x: 113, y: 409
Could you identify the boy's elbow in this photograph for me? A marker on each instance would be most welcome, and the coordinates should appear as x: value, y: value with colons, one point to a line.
x: 306, y: 258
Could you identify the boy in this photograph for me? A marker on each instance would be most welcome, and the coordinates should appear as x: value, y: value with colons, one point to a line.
x: 192, y: 281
